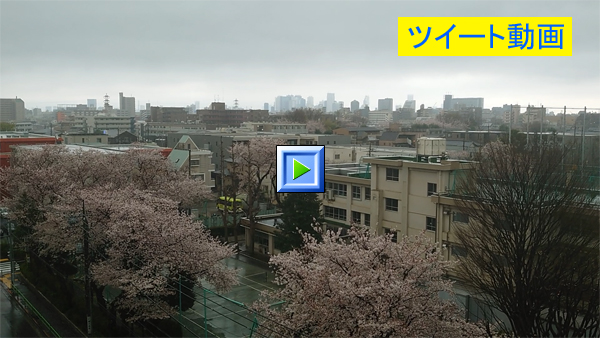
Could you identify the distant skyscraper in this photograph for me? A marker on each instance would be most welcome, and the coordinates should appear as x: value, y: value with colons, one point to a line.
x: 354, y: 106
x: 283, y: 103
x: 330, y: 101
x: 310, y: 102
x: 298, y: 102
x: 409, y: 108
x: 266, y: 106
x: 127, y: 105
x: 197, y: 103
x: 466, y: 102
x: 91, y: 103
x: 385, y: 104
x: 447, y: 102
x: 336, y: 106
x: 366, y: 101
x: 12, y: 110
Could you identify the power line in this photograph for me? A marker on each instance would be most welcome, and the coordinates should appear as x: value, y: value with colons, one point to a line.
x: 89, y: 232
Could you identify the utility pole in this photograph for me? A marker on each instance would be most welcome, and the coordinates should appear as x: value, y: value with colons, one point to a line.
x: 563, y: 138
x: 583, y: 138
x: 542, y: 126
x: 86, y: 259
x: 180, y: 319
x: 527, y: 128
x: 225, y: 202
x: 510, y: 125
x: 11, y: 255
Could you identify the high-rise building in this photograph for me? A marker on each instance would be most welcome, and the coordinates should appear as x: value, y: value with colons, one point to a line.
x: 366, y: 101
x: 310, y: 102
x: 298, y: 102
x: 409, y: 108
x: 354, y: 106
x: 289, y: 102
x: 463, y: 103
x: 447, y: 102
x: 127, y: 105
x: 511, y: 114
x: 385, y: 104
x: 92, y: 103
x: 330, y: 101
x: 283, y: 103
x: 266, y: 106
x: 12, y: 110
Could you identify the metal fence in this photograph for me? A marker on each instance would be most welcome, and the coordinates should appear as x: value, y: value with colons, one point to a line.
x: 31, y: 310
x: 216, y: 220
x: 215, y: 315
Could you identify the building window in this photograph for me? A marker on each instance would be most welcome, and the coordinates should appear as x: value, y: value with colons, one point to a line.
x: 99, y: 140
x: 367, y: 193
x: 459, y: 217
x: 356, y: 217
x: 392, y: 174
x: 430, y: 223
x: 195, y: 162
x: 189, y: 146
x: 458, y: 251
x: 262, y: 238
x: 355, y: 192
x: 367, y: 219
x: 338, y: 188
x: 431, y: 188
x: 335, y: 213
x: 394, y: 234
x: 82, y: 140
x: 391, y: 204
x: 337, y: 156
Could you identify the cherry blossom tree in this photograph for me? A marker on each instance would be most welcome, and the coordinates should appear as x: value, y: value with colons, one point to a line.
x: 256, y: 163
x: 129, y: 205
x: 362, y: 286
x: 315, y: 126
x: 459, y: 155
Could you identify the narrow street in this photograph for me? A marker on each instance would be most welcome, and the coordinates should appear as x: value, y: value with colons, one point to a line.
x: 12, y: 321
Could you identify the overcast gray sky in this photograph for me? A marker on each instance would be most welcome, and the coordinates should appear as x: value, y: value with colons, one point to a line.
x: 178, y: 52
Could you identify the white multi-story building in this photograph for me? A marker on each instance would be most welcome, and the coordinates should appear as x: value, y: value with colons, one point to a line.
x: 329, y: 107
x: 283, y: 128
x: 389, y: 194
x: 198, y: 162
x: 380, y: 117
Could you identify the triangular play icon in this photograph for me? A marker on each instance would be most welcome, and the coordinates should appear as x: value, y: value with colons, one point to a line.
x: 299, y: 169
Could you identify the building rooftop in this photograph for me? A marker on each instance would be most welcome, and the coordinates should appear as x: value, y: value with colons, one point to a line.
x: 358, y: 129
x: 389, y: 136
x: 101, y: 147
x: 178, y: 157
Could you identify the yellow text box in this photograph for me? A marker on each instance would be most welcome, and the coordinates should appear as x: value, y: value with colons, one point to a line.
x: 485, y: 36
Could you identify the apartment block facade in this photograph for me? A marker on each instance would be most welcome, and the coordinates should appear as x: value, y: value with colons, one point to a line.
x: 390, y: 194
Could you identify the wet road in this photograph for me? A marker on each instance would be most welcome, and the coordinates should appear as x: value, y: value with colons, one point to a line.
x: 12, y: 320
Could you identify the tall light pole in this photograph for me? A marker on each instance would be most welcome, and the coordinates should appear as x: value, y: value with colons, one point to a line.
x: 86, y: 257
x: 11, y: 254
x: 86, y: 265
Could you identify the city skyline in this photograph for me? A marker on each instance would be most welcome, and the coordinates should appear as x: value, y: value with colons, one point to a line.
x: 252, y: 61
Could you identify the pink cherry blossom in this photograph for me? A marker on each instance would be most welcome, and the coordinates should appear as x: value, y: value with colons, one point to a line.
x: 363, y: 286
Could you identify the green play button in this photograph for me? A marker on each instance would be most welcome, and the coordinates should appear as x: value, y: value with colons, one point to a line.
x: 299, y: 169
